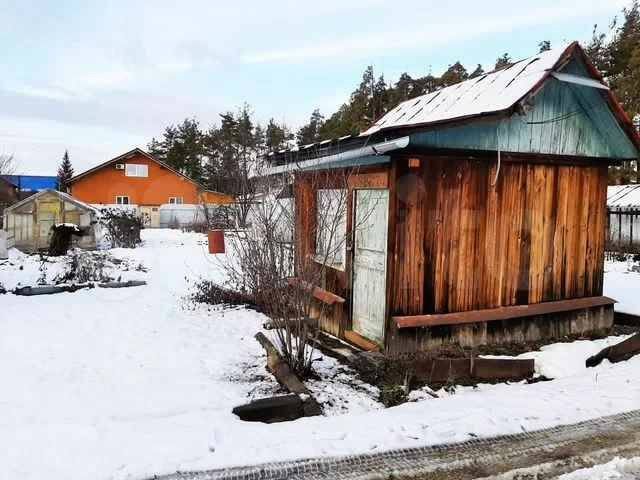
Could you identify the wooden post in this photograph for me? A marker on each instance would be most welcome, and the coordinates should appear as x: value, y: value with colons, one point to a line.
x: 36, y: 230
x: 285, y: 377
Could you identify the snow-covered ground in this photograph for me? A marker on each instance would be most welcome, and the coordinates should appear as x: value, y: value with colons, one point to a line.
x: 126, y: 383
x: 622, y: 283
x: 616, y: 469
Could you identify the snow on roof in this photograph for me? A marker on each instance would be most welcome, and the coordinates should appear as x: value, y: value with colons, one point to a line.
x: 489, y: 93
x: 623, y: 195
x: 64, y: 196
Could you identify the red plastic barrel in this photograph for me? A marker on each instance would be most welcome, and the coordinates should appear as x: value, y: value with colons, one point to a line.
x: 216, y: 241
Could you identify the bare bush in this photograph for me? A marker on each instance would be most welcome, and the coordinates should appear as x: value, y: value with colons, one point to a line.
x: 210, y: 293
x: 221, y: 216
x: 122, y: 227
x: 83, y: 267
x: 262, y: 263
x: 7, y: 164
x: 197, y: 227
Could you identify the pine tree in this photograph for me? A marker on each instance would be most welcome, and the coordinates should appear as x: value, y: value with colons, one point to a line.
x: 617, y: 55
x: 310, y: 133
x: 544, y: 46
x: 181, y: 148
x: 276, y: 136
x: 624, y: 73
x: 403, y: 89
x: 65, y: 173
x: 456, y: 73
x: 503, y: 61
x: 477, y: 72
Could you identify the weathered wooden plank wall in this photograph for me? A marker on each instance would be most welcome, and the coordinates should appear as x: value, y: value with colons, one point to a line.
x: 462, y: 243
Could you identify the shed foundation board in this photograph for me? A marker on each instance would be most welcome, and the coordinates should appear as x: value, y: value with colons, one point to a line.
x: 593, y: 321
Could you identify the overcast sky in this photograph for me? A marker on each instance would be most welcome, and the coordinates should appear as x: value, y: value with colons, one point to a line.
x: 99, y: 78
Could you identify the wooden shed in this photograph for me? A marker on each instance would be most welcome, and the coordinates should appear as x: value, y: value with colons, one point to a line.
x: 28, y: 223
x: 487, y: 210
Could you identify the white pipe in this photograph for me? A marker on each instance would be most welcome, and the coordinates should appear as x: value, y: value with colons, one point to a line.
x: 376, y: 149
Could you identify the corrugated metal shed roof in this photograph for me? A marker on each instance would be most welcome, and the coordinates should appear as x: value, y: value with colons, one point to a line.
x: 623, y: 195
x: 490, y: 93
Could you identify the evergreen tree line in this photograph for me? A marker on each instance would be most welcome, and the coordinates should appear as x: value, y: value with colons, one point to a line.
x: 222, y: 156
x: 374, y: 97
x: 218, y: 156
x: 616, y: 53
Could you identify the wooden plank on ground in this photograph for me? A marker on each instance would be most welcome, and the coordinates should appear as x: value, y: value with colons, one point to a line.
x: 361, y: 342
x: 444, y: 370
x: 617, y: 353
x: 502, y: 368
x: 286, y: 377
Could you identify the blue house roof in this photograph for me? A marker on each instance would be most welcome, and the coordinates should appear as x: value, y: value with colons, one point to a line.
x: 32, y: 183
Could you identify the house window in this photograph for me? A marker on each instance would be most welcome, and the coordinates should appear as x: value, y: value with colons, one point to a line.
x: 122, y: 200
x: 176, y: 201
x: 331, y: 228
x: 136, y: 170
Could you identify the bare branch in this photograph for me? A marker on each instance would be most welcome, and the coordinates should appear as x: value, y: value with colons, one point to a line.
x: 7, y: 164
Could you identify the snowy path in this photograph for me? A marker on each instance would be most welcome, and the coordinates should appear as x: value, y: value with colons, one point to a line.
x: 125, y: 384
x: 118, y: 383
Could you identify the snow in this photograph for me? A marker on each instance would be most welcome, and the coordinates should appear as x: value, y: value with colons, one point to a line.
x: 618, y: 468
x: 127, y: 380
x: 623, y: 195
x: 492, y: 92
x: 127, y: 383
x: 622, y: 283
x: 561, y: 360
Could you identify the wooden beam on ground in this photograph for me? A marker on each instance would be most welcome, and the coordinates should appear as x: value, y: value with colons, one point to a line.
x: 318, y: 293
x: 361, y: 342
x: 286, y: 377
x: 502, y: 368
x: 445, y: 370
x: 502, y: 313
x: 617, y: 353
x: 50, y: 289
x: 128, y: 283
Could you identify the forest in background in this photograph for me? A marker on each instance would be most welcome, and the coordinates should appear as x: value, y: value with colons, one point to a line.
x: 220, y: 155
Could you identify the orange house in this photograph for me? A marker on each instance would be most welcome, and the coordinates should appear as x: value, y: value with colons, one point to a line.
x: 137, y: 178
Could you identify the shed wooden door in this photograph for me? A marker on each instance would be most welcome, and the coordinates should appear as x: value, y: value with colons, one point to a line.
x: 370, y: 263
